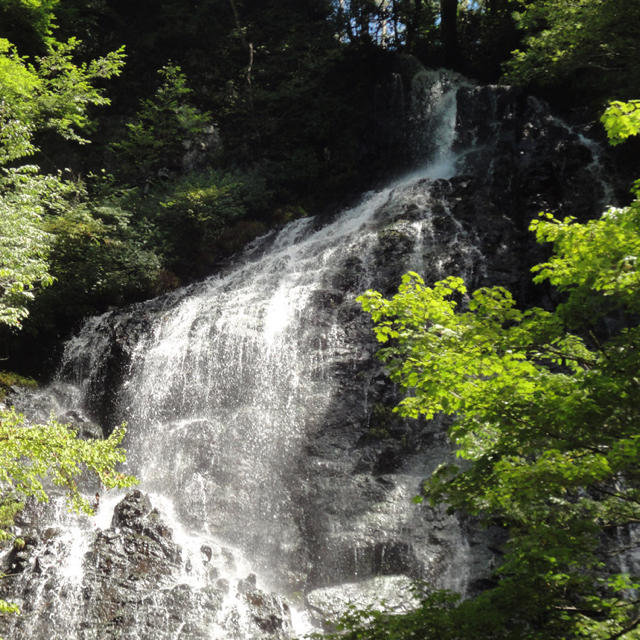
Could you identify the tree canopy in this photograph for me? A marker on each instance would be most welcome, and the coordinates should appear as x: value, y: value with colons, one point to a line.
x: 50, y: 94
x: 588, y: 47
x: 33, y: 457
x: 54, y: 94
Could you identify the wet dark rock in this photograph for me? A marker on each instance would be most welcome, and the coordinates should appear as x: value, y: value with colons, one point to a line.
x: 327, y: 297
x: 20, y: 555
x: 349, y: 274
x: 202, y: 148
x: 525, y: 161
x: 229, y: 560
x: 119, y: 333
x: 269, y: 613
x: 206, y: 552
x: 529, y: 159
x: 223, y: 585
x: 248, y: 584
x: 135, y: 556
x: 130, y: 586
x: 326, y: 604
x: 391, y: 458
x: 86, y: 428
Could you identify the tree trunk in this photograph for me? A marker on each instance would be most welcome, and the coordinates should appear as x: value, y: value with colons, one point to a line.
x: 363, y: 20
x: 344, y: 17
x: 245, y: 43
x: 449, y: 31
x: 394, y: 22
x: 413, y: 25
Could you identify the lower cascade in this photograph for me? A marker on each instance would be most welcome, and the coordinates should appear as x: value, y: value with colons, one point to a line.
x: 275, y: 480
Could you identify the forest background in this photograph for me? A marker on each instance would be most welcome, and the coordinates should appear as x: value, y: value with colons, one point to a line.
x: 221, y: 119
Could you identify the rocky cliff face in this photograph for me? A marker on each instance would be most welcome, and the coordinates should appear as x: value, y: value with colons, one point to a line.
x: 135, y: 584
x: 260, y: 419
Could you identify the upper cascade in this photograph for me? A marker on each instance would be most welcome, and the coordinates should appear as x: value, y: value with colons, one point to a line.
x: 274, y: 477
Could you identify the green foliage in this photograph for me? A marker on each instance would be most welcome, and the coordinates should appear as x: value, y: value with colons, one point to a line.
x: 28, y: 23
x: 207, y: 198
x: 155, y: 139
x: 68, y: 90
x: 594, y: 263
x: 29, y: 454
x: 9, y: 379
x: 188, y: 220
x: 8, y: 607
x: 86, y: 252
x: 290, y: 100
x: 487, y: 35
x: 37, y: 216
x: 17, y: 125
x: 24, y: 245
x: 435, y: 614
x: 51, y: 94
x: 98, y: 256
x: 585, y: 44
x: 621, y: 120
x: 545, y: 425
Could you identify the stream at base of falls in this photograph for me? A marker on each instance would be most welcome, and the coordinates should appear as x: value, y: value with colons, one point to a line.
x: 275, y: 480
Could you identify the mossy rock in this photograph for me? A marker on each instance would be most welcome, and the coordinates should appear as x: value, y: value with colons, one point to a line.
x: 10, y: 380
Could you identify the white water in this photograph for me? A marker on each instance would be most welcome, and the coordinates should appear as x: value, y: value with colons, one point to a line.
x: 229, y: 362
x: 233, y: 378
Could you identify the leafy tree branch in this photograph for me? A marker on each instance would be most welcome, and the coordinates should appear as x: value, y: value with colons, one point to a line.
x: 546, y: 423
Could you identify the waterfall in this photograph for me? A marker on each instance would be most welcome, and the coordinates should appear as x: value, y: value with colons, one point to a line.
x: 259, y: 426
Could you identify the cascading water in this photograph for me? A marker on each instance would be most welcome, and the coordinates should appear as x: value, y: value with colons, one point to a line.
x: 259, y: 425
